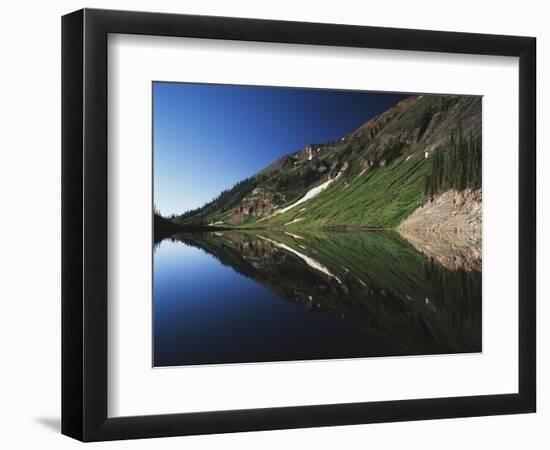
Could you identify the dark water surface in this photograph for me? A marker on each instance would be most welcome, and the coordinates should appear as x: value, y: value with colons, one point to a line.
x: 234, y: 297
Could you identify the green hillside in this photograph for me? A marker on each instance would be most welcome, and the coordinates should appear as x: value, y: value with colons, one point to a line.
x: 373, y: 178
x: 378, y: 198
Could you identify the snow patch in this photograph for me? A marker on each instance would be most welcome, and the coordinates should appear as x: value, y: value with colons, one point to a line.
x: 295, y: 220
x: 295, y: 236
x: 309, y: 261
x: 312, y: 192
x: 362, y: 172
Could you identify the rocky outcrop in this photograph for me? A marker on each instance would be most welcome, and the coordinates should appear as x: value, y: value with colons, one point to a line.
x: 452, y: 211
x: 259, y: 203
x: 448, y: 229
x: 309, y: 153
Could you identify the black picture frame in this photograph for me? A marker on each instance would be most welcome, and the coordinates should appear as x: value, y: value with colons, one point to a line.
x: 84, y: 224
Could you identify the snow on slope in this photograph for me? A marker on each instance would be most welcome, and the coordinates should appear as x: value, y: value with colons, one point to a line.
x: 309, y: 261
x: 312, y: 192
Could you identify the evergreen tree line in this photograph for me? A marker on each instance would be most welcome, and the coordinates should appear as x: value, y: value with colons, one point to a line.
x: 456, y: 165
x: 226, y: 200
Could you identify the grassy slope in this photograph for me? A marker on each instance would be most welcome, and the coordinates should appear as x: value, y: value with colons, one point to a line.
x: 380, y: 197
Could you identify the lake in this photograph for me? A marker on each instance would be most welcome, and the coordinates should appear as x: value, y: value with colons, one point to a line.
x: 259, y: 295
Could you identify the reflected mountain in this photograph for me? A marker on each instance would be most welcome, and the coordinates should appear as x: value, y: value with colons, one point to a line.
x: 377, y: 283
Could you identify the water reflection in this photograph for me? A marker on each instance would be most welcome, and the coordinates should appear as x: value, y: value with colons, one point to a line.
x: 267, y: 296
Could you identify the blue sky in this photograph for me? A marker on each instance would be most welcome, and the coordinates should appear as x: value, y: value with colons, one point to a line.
x: 208, y: 137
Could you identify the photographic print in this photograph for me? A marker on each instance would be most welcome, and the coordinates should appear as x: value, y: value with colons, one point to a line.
x: 307, y: 224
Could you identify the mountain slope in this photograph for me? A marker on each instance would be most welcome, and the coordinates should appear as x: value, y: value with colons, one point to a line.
x: 374, y: 177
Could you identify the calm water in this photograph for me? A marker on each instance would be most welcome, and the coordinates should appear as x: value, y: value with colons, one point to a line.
x: 237, y: 297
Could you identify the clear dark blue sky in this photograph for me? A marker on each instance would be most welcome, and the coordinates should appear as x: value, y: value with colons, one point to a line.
x: 208, y: 137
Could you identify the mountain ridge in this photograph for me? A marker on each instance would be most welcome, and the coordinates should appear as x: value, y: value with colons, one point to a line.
x: 375, y: 176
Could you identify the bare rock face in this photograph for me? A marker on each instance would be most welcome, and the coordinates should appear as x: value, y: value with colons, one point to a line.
x: 456, y: 211
x: 312, y: 152
x: 366, y: 164
x: 448, y: 228
x: 258, y: 203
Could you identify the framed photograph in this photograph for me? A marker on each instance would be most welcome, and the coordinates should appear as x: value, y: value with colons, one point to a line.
x: 273, y: 224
